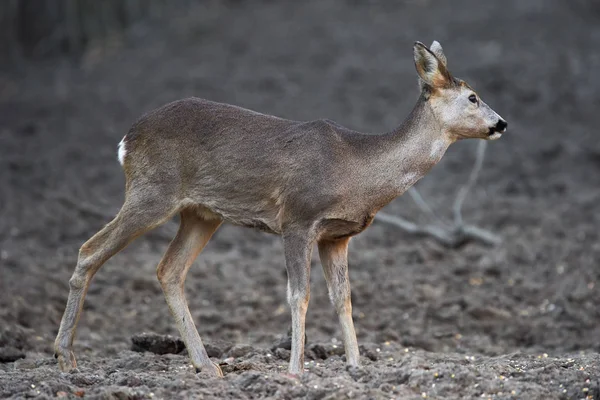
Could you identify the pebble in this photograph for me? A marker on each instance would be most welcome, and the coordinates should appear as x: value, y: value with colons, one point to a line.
x: 155, y: 343
x: 10, y: 354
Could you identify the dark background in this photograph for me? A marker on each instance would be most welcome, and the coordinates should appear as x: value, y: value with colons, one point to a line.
x: 75, y: 75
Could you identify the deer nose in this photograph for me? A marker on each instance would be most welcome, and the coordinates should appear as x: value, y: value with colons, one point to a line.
x: 501, y: 126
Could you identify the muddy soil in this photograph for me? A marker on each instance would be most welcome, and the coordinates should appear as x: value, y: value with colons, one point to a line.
x: 517, y: 321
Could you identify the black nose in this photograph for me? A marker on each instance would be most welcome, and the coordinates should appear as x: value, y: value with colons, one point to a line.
x: 501, y: 126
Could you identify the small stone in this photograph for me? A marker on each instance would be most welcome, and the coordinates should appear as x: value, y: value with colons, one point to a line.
x: 337, y: 351
x: 10, y: 354
x: 357, y: 373
x: 490, y: 313
x: 158, y: 344
x: 242, y: 366
x: 240, y: 350
x: 320, y: 351
x: 24, y: 364
x: 368, y: 352
x: 213, y: 350
x: 285, y: 342
x: 282, y: 354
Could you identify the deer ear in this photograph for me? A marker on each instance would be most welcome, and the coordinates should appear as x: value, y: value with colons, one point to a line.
x: 436, y: 48
x: 431, y: 70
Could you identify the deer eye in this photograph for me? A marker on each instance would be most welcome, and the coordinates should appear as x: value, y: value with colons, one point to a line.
x: 473, y: 99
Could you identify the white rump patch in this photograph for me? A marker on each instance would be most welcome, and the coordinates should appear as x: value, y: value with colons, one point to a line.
x: 122, y: 151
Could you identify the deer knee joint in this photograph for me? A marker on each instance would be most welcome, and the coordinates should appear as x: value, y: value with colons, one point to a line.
x: 167, y: 278
x: 161, y: 275
x: 77, y: 281
x: 344, y: 306
x: 80, y: 275
x: 299, y: 299
x: 341, y: 303
x: 340, y: 298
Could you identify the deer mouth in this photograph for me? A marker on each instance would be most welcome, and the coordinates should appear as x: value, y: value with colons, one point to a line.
x: 493, y: 134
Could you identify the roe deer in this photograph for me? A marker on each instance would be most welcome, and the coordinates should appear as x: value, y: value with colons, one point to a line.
x: 310, y: 182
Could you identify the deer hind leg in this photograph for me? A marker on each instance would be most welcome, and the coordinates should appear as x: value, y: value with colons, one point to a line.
x: 334, y: 258
x: 194, y: 232
x: 298, y: 250
x: 137, y: 216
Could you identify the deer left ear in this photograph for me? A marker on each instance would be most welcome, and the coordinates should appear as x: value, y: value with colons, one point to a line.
x: 431, y: 69
x: 436, y: 48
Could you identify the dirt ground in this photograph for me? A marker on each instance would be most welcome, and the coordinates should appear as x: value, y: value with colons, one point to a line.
x: 520, y: 321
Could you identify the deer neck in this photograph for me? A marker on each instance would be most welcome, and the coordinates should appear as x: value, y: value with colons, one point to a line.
x: 412, y: 149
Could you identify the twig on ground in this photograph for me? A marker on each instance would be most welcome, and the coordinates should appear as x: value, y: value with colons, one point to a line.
x: 456, y: 233
x: 422, y: 204
x: 464, y: 190
x: 444, y: 236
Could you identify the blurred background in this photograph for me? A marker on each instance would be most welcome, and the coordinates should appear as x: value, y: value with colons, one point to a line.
x: 74, y: 76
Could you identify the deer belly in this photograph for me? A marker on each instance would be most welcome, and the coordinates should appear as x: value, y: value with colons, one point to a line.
x: 246, y: 209
x: 263, y: 220
x: 260, y: 225
x: 333, y: 228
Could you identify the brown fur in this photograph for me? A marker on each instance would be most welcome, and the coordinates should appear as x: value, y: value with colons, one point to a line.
x: 310, y: 182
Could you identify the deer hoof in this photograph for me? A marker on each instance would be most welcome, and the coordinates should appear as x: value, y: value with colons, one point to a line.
x: 66, y: 360
x: 289, y: 375
x: 213, y: 370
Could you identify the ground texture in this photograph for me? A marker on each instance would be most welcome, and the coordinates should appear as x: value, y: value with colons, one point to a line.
x: 518, y: 321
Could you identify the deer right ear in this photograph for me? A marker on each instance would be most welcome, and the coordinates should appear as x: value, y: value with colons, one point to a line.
x: 431, y: 70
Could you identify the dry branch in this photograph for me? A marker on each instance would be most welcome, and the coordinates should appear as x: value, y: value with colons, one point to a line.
x: 449, y: 234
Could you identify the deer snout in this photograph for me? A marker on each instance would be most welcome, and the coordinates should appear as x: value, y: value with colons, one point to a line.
x: 497, y: 130
x: 501, y: 126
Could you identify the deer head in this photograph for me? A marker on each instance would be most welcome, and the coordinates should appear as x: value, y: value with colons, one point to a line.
x: 458, y: 109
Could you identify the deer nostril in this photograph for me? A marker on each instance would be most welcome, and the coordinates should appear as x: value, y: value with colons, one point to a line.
x: 501, y: 125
